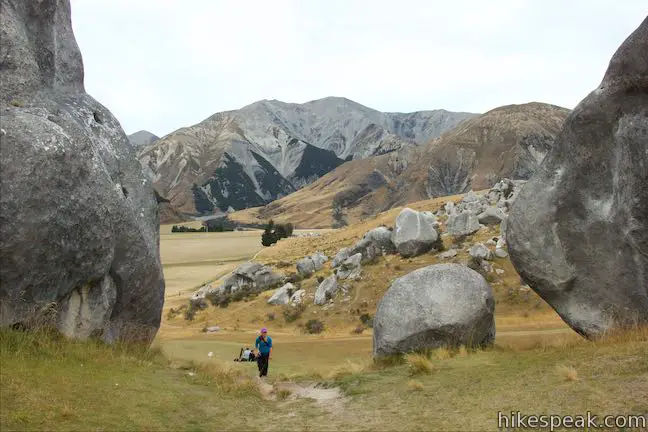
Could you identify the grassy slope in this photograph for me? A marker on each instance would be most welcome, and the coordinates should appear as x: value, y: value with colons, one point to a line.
x: 517, y: 308
x: 58, y: 385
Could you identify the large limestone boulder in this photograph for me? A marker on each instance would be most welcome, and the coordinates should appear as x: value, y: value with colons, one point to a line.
x: 415, y: 232
x: 326, y: 290
x: 351, y: 268
x: 578, y: 230
x: 376, y: 242
x: 439, y: 305
x: 79, y: 231
x: 462, y: 224
x: 282, y: 295
x: 311, y: 264
x: 491, y: 216
x: 480, y: 251
x: 340, y: 257
x: 305, y: 267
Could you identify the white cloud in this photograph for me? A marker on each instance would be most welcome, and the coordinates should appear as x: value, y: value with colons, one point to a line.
x: 163, y: 64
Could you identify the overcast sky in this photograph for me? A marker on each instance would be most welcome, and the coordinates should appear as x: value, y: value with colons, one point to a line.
x: 163, y: 64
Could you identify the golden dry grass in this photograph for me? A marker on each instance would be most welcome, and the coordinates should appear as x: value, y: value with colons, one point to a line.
x: 568, y: 373
x: 419, y: 364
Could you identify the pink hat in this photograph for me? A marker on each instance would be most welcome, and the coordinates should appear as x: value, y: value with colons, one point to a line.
x: 264, y: 330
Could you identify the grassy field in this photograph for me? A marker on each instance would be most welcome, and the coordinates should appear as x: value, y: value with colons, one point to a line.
x: 51, y: 384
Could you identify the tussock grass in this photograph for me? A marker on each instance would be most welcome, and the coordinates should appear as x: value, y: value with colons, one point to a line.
x: 415, y: 385
x: 441, y: 353
x: 568, y: 373
x: 419, y: 364
x: 283, y: 394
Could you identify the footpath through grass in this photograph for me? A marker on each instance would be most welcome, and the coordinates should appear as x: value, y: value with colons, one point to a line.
x: 49, y: 383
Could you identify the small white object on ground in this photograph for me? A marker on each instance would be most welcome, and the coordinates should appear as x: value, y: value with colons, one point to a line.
x: 210, y: 354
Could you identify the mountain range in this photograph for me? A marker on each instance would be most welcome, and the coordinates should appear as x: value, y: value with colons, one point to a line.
x: 506, y: 142
x: 270, y: 149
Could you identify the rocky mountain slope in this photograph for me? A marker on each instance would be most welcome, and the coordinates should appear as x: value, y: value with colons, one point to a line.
x: 269, y: 149
x: 142, y: 138
x: 506, y: 142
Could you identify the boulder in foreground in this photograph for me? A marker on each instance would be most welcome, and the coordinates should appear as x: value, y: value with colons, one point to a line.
x: 436, y: 306
x: 578, y: 231
x: 79, y: 231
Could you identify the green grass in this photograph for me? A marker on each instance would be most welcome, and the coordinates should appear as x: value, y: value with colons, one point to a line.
x: 49, y: 383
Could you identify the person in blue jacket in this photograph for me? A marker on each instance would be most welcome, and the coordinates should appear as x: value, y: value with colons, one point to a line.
x: 264, y: 345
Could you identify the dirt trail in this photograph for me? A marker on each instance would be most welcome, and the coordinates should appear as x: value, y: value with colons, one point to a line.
x: 331, y: 398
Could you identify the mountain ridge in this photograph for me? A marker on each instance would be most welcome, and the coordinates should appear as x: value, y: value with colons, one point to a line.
x: 302, y: 142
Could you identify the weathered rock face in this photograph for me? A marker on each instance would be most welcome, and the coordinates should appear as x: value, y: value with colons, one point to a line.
x: 414, y: 233
x: 591, y: 192
x: 462, y: 224
x: 282, y: 295
x: 480, y: 251
x: 340, y: 257
x: 311, y: 264
x: 351, y: 268
x: 439, y: 305
x: 79, y: 228
x: 376, y: 242
x: 327, y: 290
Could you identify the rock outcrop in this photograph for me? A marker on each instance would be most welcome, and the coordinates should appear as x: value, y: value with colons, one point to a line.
x: 326, y: 290
x: 351, y: 268
x: 79, y: 227
x: 376, y: 242
x: 311, y: 264
x: 251, y: 277
x: 283, y: 295
x: 439, y: 305
x: 578, y: 231
x: 415, y: 232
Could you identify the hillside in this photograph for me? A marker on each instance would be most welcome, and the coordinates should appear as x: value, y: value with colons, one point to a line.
x: 507, y: 142
x: 269, y: 149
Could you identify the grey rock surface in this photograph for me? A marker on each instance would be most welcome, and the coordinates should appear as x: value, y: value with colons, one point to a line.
x: 491, y: 216
x: 305, y: 267
x: 326, y: 290
x: 480, y: 251
x: 79, y: 230
x: 351, y: 268
x: 414, y: 233
x: 591, y: 194
x: 297, y: 297
x: 283, y: 295
x: 376, y: 242
x: 462, y: 224
x: 439, y: 305
x: 448, y: 254
x: 340, y: 257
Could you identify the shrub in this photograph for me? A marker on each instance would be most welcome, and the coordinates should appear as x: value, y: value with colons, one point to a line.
x: 275, y: 232
x: 293, y: 313
x: 367, y: 320
x: 358, y: 330
x: 271, y: 316
x: 189, y: 313
x: 314, y: 326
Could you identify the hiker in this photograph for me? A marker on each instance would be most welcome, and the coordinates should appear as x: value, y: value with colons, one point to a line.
x: 263, y: 344
x: 245, y: 356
